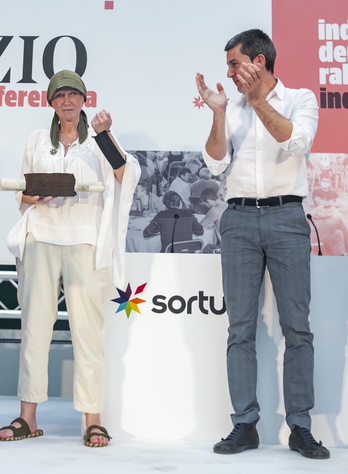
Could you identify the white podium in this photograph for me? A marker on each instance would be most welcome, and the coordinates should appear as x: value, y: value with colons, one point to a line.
x: 166, y: 368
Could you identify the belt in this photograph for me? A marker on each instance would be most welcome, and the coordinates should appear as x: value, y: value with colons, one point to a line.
x: 265, y: 202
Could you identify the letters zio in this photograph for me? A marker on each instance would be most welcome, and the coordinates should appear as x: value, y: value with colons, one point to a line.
x: 47, y: 57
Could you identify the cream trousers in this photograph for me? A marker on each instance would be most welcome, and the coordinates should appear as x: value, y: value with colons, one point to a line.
x: 40, y: 274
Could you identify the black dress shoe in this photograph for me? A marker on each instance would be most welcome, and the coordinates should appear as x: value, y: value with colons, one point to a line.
x: 302, y: 441
x: 244, y: 436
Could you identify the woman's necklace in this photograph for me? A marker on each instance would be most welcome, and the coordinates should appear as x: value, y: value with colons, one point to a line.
x: 67, y: 138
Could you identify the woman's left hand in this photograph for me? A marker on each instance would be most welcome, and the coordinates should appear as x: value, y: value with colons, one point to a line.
x: 101, y: 122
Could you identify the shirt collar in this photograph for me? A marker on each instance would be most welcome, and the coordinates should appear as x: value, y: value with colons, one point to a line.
x: 278, y: 90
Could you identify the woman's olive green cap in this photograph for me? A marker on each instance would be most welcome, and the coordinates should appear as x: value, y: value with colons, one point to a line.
x: 61, y: 79
x: 65, y: 78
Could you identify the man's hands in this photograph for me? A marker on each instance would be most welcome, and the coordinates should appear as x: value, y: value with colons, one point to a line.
x: 217, y: 101
x: 101, y: 122
x: 248, y: 81
x: 255, y: 82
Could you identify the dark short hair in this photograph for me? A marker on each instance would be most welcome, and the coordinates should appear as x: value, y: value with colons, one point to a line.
x: 183, y: 170
x: 145, y: 186
x: 208, y: 193
x: 254, y: 42
x: 172, y: 199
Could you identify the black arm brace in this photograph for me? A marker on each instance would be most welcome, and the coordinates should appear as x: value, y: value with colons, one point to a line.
x: 110, y: 150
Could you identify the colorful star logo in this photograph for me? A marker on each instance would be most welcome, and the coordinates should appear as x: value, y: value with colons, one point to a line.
x: 198, y: 102
x: 125, y: 303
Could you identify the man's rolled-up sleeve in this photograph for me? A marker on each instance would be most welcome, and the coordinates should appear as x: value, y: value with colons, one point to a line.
x: 304, y: 118
x: 216, y: 167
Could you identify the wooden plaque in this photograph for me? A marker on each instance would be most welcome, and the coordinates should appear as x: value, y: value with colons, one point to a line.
x: 50, y: 184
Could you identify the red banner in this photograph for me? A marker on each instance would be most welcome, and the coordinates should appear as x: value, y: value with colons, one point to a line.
x: 311, y: 37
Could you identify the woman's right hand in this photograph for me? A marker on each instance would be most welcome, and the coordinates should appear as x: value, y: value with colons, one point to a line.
x: 36, y: 199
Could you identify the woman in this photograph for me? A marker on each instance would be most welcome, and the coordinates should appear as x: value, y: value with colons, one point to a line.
x: 71, y: 240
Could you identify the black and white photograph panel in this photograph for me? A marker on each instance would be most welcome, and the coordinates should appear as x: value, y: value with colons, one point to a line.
x: 177, y: 204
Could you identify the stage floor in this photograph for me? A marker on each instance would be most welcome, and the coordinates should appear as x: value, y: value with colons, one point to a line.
x: 61, y: 450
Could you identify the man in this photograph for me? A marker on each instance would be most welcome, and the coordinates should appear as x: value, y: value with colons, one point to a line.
x: 144, y: 202
x: 339, y: 174
x: 266, y: 136
x: 216, y: 207
x: 205, y: 181
x: 194, y: 165
x: 175, y: 224
x: 181, y: 185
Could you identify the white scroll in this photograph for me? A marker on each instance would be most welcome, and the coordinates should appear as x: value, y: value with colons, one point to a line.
x: 20, y: 185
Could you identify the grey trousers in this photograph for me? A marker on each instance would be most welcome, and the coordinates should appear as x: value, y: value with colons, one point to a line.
x: 276, y: 238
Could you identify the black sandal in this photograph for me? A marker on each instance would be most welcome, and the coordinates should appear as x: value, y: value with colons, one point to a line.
x: 89, y: 434
x: 20, y: 433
